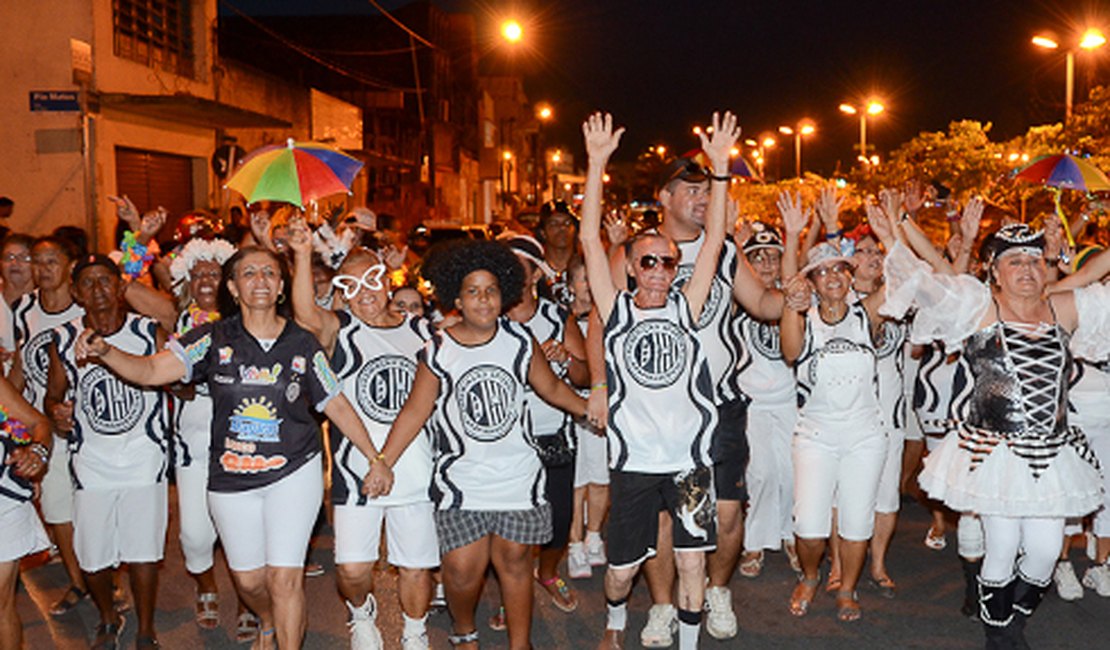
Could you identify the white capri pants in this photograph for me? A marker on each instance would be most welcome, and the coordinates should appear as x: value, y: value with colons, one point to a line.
x: 770, y: 475
x: 1038, y: 539
x: 838, y: 465
x: 198, y: 533
x: 57, y: 486
x: 889, y: 496
x: 271, y: 525
x: 116, y: 525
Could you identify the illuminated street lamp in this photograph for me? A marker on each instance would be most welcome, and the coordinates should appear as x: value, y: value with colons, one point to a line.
x: 511, y: 31
x: 1090, y: 40
x: 872, y: 108
x: 803, y: 128
x: 544, y: 114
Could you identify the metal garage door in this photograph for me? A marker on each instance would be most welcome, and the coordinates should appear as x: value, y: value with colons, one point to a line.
x: 153, y: 179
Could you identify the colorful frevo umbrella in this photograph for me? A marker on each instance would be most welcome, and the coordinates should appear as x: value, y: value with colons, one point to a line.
x: 1063, y: 172
x: 296, y: 172
x: 737, y: 166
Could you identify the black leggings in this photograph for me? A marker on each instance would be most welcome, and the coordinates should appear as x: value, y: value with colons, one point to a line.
x: 559, y: 491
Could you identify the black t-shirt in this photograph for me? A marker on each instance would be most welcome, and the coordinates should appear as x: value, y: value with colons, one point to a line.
x: 262, y: 425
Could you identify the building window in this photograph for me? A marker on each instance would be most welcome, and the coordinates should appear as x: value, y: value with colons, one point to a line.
x: 157, y: 33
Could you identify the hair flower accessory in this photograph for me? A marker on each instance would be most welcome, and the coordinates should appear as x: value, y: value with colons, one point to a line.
x: 199, y: 250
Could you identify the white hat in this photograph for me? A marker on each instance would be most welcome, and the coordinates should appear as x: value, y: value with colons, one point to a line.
x: 825, y: 253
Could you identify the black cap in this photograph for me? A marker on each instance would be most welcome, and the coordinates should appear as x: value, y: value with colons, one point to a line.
x: 556, y: 206
x: 685, y: 169
x: 94, y: 260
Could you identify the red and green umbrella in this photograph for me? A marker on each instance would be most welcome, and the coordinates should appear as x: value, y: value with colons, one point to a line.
x: 296, y: 172
x: 1063, y: 172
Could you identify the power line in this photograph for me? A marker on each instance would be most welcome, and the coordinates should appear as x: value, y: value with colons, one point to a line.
x: 306, y: 52
x: 400, y: 24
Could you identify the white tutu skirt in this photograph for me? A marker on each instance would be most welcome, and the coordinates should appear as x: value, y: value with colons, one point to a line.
x: 1003, y: 483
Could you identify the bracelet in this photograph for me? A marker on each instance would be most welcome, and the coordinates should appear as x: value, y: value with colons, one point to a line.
x: 834, y: 234
x: 905, y: 216
x: 599, y: 386
x: 725, y: 177
x: 379, y: 457
x: 1052, y: 260
x: 41, y: 451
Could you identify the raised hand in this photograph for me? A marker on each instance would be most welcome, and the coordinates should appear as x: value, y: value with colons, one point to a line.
x: 892, y: 202
x: 616, y: 228
x: 718, y: 144
x: 969, y: 221
x: 795, y: 217
x: 828, y: 208
x: 1053, y: 236
x: 742, y: 232
x: 126, y: 211
x: 913, y: 195
x: 299, y: 237
x: 881, y: 224
x: 798, y: 293
x: 601, y: 140
x: 394, y: 257
x: 151, y: 223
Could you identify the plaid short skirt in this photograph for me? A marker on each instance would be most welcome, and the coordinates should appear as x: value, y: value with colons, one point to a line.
x: 457, y: 528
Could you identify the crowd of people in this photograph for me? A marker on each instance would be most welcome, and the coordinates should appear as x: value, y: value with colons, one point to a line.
x: 677, y: 399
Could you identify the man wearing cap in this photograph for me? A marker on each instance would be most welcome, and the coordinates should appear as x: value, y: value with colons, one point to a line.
x: 117, y: 439
x: 684, y: 197
x: 558, y: 231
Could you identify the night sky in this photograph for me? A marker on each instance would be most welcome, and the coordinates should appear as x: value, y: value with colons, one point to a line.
x: 661, y: 67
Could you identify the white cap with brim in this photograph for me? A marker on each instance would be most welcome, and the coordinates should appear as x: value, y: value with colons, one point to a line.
x: 823, y: 254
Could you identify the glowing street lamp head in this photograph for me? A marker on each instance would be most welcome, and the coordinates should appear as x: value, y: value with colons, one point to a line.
x: 557, y: 156
x: 808, y: 129
x: 507, y: 155
x: 848, y: 108
x: 874, y: 107
x: 768, y: 142
x: 697, y: 130
x: 545, y: 113
x: 661, y: 150
x: 734, y: 152
x: 751, y: 143
x: 512, y: 31
x: 1092, y: 38
x: 786, y: 130
x: 1047, y: 42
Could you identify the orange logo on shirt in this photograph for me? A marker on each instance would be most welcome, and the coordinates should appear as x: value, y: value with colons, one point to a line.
x: 250, y: 464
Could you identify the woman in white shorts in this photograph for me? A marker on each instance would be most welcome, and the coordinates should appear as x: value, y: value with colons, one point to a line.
x: 265, y: 481
x: 25, y: 441
x: 839, y: 440
x: 373, y: 352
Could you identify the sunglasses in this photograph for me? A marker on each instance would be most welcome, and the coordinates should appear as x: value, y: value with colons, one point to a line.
x: 350, y: 285
x: 648, y: 262
x: 839, y: 267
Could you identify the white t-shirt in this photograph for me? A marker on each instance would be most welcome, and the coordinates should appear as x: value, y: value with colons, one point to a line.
x: 714, y: 324
x: 34, y: 330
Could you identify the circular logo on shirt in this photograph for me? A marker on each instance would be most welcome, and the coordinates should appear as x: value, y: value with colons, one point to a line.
x: 764, y: 337
x: 36, y: 357
x: 487, y: 398
x: 713, y: 303
x: 890, y: 339
x: 383, y: 385
x: 655, y: 353
x: 110, y: 406
x: 834, y: 347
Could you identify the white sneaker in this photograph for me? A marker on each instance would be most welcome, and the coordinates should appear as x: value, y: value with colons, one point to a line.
x: 721, y: 622
x: 1067, y: 585
x: 417, y: 642
x: 364, y: 631
x: 1098, y: 578
x: 661, y: 625
x: 595, y: 551
x: 578, y: 566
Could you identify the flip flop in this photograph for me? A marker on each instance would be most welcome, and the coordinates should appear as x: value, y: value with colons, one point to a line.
x: 935, y: 542
x: 847, y: 607
x: 247, y: 627
x: 208, y: 610
x: 752, y: 566
x: 561, y: 595
x: 884, y: 585
x: 70, y: 599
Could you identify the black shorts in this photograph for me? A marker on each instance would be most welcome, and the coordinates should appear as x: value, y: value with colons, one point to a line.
x: 636, y: 500
x: 729, y: 451
x: 559, y: 491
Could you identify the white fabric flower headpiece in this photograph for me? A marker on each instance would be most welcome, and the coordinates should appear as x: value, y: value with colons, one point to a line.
x: 198, y: 250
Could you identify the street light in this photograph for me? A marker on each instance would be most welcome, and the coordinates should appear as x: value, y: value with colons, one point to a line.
x: 1090, y: 40
x: 803, y: 128
x: 512, y: 31
x: 544, y: 114
x: 873, y: 107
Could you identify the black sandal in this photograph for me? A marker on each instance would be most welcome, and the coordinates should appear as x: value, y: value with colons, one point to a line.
x: 70, y: 599
x: 108, y: 635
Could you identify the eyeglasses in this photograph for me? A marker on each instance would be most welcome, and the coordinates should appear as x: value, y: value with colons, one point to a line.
x: 648, y: 262
x: 839, y: 267
x: 12, y: 257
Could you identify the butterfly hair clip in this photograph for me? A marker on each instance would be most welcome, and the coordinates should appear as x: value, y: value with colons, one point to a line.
x: 350, y: 285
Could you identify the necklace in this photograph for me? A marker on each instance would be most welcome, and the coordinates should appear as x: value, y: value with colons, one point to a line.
x: 197, y: 317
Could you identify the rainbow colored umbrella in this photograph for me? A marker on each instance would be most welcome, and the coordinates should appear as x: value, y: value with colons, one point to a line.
x: 737, y: 166
x: 296, y: 172
x: 1065, y: 172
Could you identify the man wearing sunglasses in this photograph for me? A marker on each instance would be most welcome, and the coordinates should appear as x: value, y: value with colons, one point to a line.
x: 684, y: 193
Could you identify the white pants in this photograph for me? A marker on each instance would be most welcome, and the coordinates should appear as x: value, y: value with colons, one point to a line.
x: 1038, y: 540
x: 889, y: 496
x: 969, y: 537
x: 840, y: 466
x: 770, y: 476
x: 198, y: 533
x: 591, y: 458
x: 271, y: 525
x: 1094, y: 419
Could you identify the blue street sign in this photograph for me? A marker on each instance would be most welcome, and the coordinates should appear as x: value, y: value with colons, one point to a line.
x: 55, y: 100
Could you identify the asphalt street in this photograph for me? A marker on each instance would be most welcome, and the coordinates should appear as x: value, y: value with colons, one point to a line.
x: 924, y: 613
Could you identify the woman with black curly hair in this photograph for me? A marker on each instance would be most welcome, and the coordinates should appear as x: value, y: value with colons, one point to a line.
x: 488, y: 482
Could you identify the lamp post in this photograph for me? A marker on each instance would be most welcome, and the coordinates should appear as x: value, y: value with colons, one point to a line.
x: 804, y: 128
x: 872, y: 107
x: 1090, y: 40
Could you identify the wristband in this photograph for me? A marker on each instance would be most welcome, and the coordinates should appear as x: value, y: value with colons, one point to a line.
x: 834, y: 234
x: 904, y: 217
x: 599, y: 386
x: 726, y: 178
x: 379, y: 457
